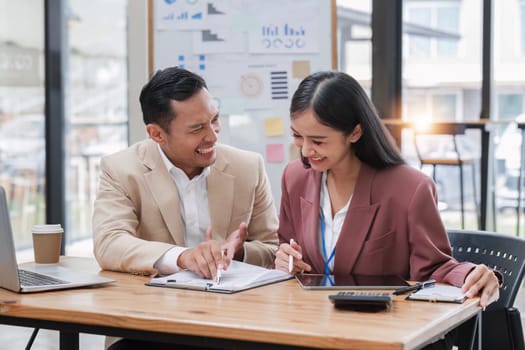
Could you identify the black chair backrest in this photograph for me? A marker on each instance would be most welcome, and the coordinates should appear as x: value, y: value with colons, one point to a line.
x: 499, y: 251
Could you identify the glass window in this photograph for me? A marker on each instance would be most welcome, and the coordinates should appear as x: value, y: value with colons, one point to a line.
x: 509, y: 90
x: 355, y: 39
x: 422, y: 105
x: 96, y: 104
x: 22, y: 140
x: 444, y: 107
x: 447, y: 19
x: 441, y: 74
x: 419, y: 46
x: 415, y: 107
x: 433, y: 68
x: 440, y: 16
x: 509, y: 105
x: 522, y: 18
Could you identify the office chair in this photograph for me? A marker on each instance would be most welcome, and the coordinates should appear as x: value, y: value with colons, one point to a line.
x: 454, y: 159
x: 500, y: 323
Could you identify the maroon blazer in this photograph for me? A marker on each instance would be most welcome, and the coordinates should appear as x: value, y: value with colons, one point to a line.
x: 392, y: 226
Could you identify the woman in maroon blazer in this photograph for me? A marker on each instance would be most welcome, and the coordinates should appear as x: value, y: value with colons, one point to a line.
x: 352, y: 206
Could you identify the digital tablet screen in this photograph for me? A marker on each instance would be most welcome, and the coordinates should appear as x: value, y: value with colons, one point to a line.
x: 314, y: 281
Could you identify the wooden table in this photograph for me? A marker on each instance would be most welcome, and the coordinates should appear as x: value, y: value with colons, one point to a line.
x: 277, y: 316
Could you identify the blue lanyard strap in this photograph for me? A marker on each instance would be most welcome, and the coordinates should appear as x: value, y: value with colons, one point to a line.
x: 328, y: 259
x: 327, y: 280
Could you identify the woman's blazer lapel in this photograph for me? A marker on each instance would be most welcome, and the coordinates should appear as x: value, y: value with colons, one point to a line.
x: 309, y: 206
x: 357, y: 224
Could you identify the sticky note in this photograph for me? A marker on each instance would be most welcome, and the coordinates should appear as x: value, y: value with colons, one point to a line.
x: 275, y: 153
x: 300, y: 69
x: 273, y: 126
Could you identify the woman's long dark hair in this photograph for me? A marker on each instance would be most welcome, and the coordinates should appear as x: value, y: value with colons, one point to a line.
x: 339, y: 102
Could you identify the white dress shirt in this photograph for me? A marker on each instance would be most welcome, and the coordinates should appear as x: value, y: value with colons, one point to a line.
x: 333, y: 225
x: 193, y: 199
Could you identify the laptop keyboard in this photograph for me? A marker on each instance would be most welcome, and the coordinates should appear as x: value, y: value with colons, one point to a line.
x: 30, y: 278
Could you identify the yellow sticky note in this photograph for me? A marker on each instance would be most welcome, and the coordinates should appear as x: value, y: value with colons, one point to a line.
x: 300, y: 69
x: 274, y: 126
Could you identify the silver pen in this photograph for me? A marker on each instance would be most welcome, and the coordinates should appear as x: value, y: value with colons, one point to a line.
x: 220, y: 269
x: 415, y: 287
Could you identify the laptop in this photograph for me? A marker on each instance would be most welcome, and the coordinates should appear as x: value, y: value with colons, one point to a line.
x: 35, y: 278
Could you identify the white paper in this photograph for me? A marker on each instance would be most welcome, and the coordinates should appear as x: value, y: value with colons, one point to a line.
x: 439, y: 293
x: 280, y: 33
x: 180, y: 15
x: 237, y: 277
x: 217, y: 36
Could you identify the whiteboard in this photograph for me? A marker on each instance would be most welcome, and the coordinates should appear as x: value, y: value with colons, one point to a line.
x: 252, y: 54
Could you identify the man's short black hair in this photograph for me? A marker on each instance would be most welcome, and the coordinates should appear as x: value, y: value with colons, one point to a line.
x: 167, y: 84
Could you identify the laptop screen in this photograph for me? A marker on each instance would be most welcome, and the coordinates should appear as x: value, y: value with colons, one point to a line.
x: 8, y: 264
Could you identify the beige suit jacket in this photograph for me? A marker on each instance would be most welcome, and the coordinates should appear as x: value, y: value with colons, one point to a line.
x: 137, y: 214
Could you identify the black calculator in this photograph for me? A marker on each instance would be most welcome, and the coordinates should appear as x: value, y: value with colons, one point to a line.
x: 362, y: 301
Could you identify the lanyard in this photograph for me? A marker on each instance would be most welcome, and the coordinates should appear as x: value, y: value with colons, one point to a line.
x: 328, y: 259
x: 327, y: 281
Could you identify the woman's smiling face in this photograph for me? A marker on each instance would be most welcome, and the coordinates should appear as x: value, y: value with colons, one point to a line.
x: 324, y: 147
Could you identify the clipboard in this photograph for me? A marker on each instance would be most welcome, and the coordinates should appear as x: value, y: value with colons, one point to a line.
x: 238, y: 277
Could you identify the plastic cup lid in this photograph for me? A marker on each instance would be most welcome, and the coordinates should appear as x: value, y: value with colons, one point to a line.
x: 47, y: 228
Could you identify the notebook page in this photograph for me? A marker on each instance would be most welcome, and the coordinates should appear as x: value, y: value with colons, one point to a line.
x: 238, y: 276
x: 445, y: 293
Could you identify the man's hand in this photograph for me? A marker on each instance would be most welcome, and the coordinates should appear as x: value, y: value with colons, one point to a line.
x: 202, y: 259
x: 234, y: 245
x: 482, y: 280
x: 205, y: 258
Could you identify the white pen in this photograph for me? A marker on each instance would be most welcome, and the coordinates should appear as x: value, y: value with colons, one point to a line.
x: 290, y: 259
x: 220, y: 269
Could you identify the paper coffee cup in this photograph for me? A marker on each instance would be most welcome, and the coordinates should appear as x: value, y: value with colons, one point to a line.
x: 47, y: 240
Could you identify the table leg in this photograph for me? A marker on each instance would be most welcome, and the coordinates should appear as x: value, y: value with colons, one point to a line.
x: 69, y: 340
x: 478, y: 329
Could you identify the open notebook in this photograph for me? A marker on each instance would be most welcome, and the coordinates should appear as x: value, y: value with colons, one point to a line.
x: 239, y: 276
x: 436, y: 293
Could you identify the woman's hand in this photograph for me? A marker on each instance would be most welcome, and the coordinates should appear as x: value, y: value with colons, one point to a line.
x: 482, y: 280
x: 282, y: 258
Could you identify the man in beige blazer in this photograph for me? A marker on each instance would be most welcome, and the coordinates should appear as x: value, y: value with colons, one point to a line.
x: 178, y: 200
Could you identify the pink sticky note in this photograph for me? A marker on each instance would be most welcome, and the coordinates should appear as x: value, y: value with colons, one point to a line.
x: 275, y: 153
